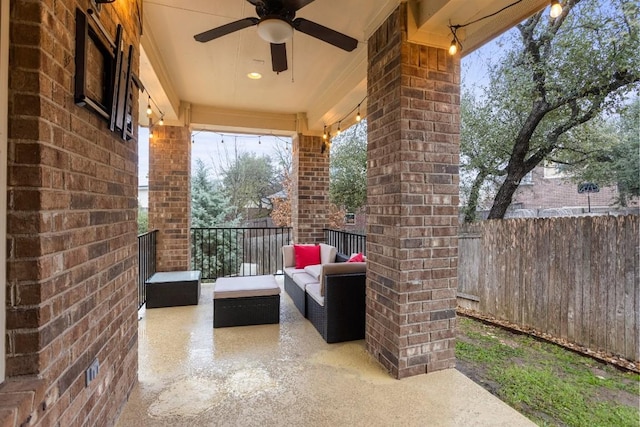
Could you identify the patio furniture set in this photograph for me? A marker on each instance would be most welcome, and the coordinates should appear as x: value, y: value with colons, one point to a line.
x: 327, y: 288
x: 331, y: 293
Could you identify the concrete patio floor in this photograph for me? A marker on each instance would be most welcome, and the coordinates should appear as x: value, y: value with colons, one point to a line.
x: 278, y: 375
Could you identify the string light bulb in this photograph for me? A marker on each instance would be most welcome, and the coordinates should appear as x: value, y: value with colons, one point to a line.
x: 149, y: 111
x: 324, y: 133
x: 455, y: 45
x: 556, y: 9
x: 453, y: 48
x: 259, y: 141
x: 338, y: 131
x: 161, y: 122
x: 358, y: 116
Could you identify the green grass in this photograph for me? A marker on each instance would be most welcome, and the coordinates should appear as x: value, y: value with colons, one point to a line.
x: 547, y: 383
x: 543, y: 391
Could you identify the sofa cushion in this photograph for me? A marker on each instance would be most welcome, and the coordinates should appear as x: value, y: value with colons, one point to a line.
x: 288, y: 256
x: 303, y: 280
x: 290, y: 271
x: 341, y: 268
x: 313, y: 290
x: 327, y: 253
x: 306, y: 255
x: 314, y: 271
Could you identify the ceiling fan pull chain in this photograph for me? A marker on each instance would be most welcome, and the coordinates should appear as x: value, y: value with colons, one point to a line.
x: 292, y: 60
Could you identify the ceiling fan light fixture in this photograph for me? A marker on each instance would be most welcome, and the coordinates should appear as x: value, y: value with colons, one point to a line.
x: 275, y: 30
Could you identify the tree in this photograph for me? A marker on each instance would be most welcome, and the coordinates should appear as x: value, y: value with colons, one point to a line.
x: 557, y: 75
x: 616, y: 161
x: 209, y: 206
x: 248, y: 180
x: 214, y: 252
x: 281, y: 212
x: 143, y: 221
x: 348, y: 168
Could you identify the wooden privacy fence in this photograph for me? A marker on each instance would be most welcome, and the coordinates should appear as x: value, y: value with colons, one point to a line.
x: 575, y: 278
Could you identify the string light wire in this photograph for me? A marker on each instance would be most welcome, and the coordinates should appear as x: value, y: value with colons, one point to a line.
x: 455, y: 28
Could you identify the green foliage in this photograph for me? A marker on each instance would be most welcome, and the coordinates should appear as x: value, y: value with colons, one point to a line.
x: 209, y: 206
x: 348, y: 168
x: 143, y: 221
x: 248, y: 180
x: 554, y: 77
x: 214, y: 252
x: 616, y: 159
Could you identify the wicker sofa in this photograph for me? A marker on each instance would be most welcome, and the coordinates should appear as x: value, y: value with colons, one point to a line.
x: 331, y: 295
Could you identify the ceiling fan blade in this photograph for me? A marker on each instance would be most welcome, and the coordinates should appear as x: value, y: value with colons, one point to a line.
x: 296, y: 5
x: 325, y: 34
x: 225, y: 29
x: 293, y: 5
x: 279, y: 57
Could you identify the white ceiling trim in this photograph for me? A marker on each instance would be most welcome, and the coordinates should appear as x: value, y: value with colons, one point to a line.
x: 214, y: 118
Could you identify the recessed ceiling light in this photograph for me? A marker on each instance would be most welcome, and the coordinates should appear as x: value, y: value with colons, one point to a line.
x: 254, y: 75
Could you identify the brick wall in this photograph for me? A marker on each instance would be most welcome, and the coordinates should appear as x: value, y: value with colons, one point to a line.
x: 555, y: 192
x: 170, y: 195
x: 310, y: 198
x: 413, y: 143
x: 71, y: 229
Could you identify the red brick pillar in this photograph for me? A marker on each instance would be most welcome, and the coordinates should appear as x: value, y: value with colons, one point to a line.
x: 170, y: 195
x: 412, y: 245
x: 310, y: 198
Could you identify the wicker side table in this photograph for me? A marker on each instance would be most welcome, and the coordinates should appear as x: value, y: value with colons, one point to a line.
x: 173, y: 288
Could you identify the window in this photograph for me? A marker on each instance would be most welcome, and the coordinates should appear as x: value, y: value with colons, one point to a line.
x: 527, y: 179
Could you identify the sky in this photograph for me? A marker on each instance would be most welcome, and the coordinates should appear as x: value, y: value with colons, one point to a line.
x: 213, y: 148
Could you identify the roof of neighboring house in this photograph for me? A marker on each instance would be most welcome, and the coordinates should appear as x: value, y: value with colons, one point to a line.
x: 282, y: 194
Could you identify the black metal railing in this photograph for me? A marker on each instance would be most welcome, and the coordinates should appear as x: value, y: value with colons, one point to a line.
x: 146, y: 262
x: 346, y: 243
x: 220, y: 252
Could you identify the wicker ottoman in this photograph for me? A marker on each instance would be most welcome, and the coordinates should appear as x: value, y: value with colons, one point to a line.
x: 246, y: 300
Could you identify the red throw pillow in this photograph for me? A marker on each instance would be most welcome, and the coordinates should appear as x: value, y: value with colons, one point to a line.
x: 356, y: 258
x: 306, y: 255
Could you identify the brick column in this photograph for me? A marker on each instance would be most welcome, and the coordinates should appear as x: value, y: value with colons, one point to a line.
x: 310, y: 198
x: 170, y: 195
x: 413, y: 146
x: 71, y: 281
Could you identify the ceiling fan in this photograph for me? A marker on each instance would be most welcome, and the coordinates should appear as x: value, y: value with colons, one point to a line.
x: 276, y: 24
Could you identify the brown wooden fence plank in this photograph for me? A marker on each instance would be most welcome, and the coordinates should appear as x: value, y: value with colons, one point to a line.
x: 555, y: 241
x: 529, y: 281
x: 515, y: 253
x: 574, y: 294
x: 564, y: 285
x: 632, y: 290
x: 602, y: 282
x: 620, y: 282
x: 587, y: 301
